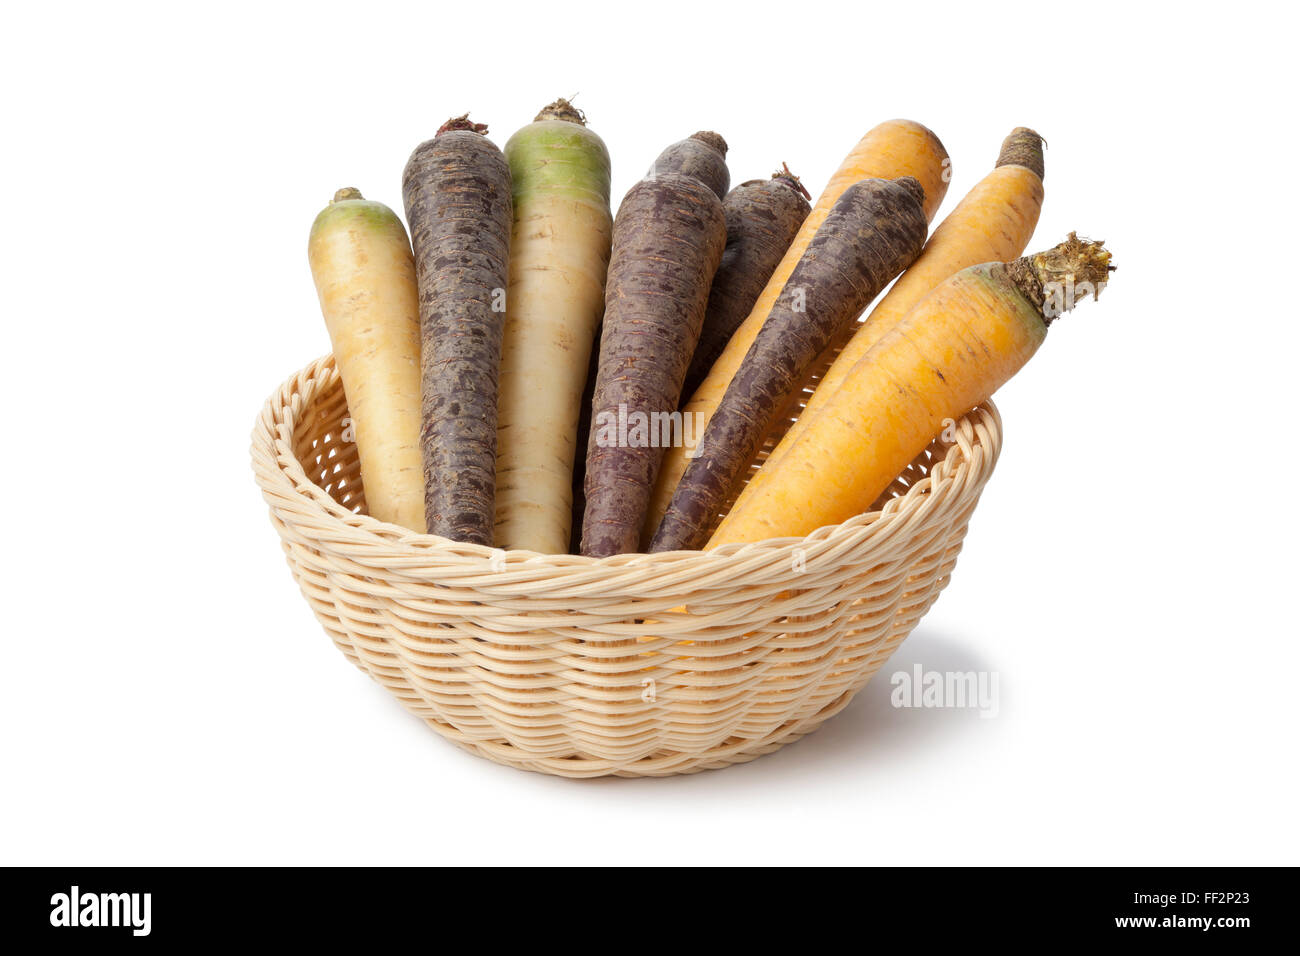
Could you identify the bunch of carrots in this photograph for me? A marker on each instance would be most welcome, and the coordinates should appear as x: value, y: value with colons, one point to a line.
x: 529, y: 371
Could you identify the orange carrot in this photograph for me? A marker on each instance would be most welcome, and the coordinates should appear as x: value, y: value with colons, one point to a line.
x: 993, y: 223
x: 951, y: 352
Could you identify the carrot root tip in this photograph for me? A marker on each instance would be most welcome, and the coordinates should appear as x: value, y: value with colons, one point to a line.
x: 784, y: 175
x: 913, y: 186
x: 1023, y: 147
x: 462, y: 122
x: 562, y: 109
x: 1057, y: 279
x: 710, y: 138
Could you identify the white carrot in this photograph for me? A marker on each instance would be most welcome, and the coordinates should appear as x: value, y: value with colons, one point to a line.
x: 554, y: 300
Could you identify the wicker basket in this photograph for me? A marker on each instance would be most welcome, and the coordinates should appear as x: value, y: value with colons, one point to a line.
x: 637, y: 665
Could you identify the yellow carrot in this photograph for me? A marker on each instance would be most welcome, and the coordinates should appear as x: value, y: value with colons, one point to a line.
x: 365, y: 277
x: 993, y: 223
x: 951, y: 352
x: 893, y: 149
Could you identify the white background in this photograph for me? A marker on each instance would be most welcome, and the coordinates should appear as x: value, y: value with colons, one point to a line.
x: 1130, y: 575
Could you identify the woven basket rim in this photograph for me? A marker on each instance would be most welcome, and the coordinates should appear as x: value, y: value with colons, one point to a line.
x: 279, y: 472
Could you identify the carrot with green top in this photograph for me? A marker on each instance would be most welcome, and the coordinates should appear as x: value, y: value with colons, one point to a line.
x: 365, y: 277
x: 559, y: 252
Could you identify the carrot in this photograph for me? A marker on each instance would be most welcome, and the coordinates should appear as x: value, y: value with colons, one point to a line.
x: 892, y: 149
x: 993, y: 223
x: 762, y: 219
x: 873, y: 232
x: 953, y: 350
x: 559, y: 252
x: 668, y: 240
x: 456, y: 188
x: 580, y: 462
x: 701, y: 155
x: 365, y: 278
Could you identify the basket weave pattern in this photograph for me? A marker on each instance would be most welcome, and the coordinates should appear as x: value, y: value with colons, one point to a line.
x: 636, y: 665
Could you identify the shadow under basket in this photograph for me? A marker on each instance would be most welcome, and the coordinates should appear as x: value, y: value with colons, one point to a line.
x: 636, y: 665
